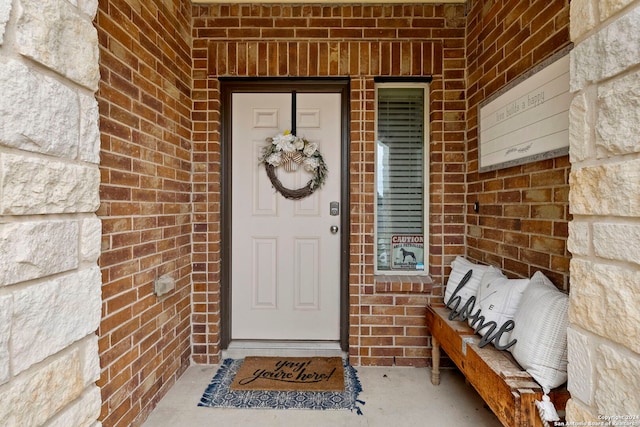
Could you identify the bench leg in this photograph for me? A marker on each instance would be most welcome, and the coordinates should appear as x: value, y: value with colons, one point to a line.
x: 435, y: 360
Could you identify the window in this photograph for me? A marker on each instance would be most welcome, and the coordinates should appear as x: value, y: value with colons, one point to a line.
x: 401, y: 177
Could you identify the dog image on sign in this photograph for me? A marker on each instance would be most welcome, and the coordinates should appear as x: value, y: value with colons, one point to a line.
x: 408, y: 252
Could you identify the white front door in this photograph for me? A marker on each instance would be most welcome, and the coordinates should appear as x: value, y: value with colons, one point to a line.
x: 285, y: 259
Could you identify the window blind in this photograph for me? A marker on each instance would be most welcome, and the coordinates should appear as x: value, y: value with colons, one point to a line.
x: 400, y: 166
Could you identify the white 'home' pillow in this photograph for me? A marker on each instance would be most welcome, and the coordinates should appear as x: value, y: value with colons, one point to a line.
x: 459, y: 267
x: 498, y: 299
x: 541, y: 330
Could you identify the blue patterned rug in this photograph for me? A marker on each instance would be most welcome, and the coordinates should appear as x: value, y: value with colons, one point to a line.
x: 219, y: 395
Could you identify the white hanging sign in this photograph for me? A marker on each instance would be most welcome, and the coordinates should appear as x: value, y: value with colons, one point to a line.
x: 528, y: 120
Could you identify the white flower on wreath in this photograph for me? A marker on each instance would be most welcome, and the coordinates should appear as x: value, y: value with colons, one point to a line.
x: 274, y: 159
x: 311, y: 164
x: 310, y: 149
x: 284, y: 142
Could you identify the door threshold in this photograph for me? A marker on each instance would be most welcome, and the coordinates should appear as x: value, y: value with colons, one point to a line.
x: 239, y: 349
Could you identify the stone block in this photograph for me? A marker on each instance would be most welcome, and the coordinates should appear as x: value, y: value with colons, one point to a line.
x: 35, y: 396
x: 90, y: 360
x: 48, y: 317
x: 579, y: 239
x: 619, y: 242
x: 579, y: 129
x: 578, y: 413
x: 604, y: 299
x: 607, y: 53
x: 6, y: 308
x: 584, y: 66
x: 81, y: 413
x: 37, y: 113
x: 90, y: 239
x: 57, y: 36
x: 610, y: 7
x: 88, y: 7
x: 606, y: 189
x: 618, y: 121
x: 579, y: 367
x: 618, y: 379
x: 5, y: 14
x: 89, y: 145
x: 36, y: 185
x: 36, y: 249
x: 582, y: 18
x: 619, y: 44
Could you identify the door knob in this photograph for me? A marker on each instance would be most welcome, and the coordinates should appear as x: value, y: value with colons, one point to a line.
x: 334, y: 229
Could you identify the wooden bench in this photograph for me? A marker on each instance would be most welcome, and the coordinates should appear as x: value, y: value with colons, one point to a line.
x: 508, y: 390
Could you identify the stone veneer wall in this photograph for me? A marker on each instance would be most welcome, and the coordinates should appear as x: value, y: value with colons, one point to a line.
x: 145, y: 122
x: 361, y: 42
x: 604, y: 236
x: 49, y: 233
x: 522, y: 223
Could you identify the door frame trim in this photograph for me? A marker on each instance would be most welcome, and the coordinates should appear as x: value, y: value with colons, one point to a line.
x: 229, y: 86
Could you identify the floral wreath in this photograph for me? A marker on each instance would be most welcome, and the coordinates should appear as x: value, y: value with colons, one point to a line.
x: 290, y: 151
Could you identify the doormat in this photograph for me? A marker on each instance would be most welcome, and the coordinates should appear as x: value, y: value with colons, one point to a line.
x: 290, y: 374
x: 220, y: 395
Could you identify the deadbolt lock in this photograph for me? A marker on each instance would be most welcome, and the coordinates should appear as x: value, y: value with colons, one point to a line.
x: 334, y: 208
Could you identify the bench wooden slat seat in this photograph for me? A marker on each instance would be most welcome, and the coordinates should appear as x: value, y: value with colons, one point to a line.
x: 508, y: 390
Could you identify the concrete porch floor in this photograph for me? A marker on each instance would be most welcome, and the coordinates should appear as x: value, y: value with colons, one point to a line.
x: 393, y: 396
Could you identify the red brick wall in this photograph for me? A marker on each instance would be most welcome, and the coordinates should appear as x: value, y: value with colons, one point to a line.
x: 145, y: 107
x: 524, y: 211
x: 359, y: 41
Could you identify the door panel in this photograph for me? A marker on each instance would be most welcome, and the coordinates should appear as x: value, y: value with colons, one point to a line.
x: 285, y: 260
